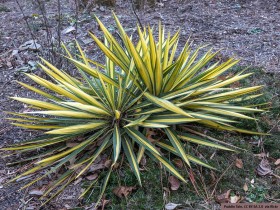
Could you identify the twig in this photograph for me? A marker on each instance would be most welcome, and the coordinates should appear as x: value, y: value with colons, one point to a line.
x: 275, y: 175
x: 76, y: 17
x: 260, y: 142
x: 59, y: 23
x: 49, y: 34
x: 221, y: 178
x: 202, y: 181
x: 276, y: 124
x: 28, y: 26
x: 138, y: 19
x: 59, y: 30
x: 211, y: 138
x: 161, y: 183
x: 192, y: 179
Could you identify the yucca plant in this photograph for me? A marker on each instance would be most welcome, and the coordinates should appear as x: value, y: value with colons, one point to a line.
x: 112, y: 107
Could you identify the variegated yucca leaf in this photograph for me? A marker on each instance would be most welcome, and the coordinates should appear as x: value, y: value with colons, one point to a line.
x: 111, y: 107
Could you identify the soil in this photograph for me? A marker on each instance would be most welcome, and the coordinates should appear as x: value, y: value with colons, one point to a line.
x: 246, y: 29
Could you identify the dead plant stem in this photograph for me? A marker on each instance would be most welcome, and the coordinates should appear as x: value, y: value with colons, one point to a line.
x: 27, y: 24
x: 49, y: 33
x: 221, y: 178
x: 76, y: 17
x: 137, y: 17
x: 59, y: 31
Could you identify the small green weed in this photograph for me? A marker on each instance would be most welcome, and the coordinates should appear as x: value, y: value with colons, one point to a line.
x: 256, y: 194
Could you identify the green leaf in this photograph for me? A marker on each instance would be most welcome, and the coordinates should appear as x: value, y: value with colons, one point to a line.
x: 128, y: 149
x: 141, y: 140
x: 77, y: 128
x: 96, y: 154
x: 139, y: 120
x: 117, y: 141
x: 106, y: 180
x: 166, y: 104
x: 193, y: 159
x: 177, y: 144
x: 169, y: 166
x: 200, y: 141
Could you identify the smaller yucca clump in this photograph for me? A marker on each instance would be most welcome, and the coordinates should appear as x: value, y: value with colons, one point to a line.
x: 110, y: 108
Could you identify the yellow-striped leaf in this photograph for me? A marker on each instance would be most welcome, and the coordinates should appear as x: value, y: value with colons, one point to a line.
x: 166, y: 104
x: 141, y: 139
x: 77, y: 128
x: 200, y: 141
x: 117, y: 142
x: 128, y: 149
x: 177, y: 144
x: 169, y: 166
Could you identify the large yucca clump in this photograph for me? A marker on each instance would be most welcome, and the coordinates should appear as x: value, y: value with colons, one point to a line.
x: 112, y: 107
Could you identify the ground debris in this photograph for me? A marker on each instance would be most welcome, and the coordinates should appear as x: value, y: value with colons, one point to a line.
x: 30, y: 45
x: 123, y: 191
x: 264, y: 168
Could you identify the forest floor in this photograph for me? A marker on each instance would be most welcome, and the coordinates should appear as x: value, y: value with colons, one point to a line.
x: 246, y: 29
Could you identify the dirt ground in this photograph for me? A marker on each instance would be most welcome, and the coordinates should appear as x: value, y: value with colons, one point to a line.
x: 247, y: 29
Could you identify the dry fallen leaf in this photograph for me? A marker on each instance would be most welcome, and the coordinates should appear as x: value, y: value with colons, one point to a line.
x: 36, y: 192
x: 116, y: 165
x: 235, y: 199
x: 95, y: 167
x: 2, y: 180
x: 68, y: 30
x: 213, y: 177
x: 178, y: 162
x: 104, y: 202
x: 277, y: 162
x: 92, y: 177
x: 91, y: 206
x: 150, y: 135
x: 223, y: 198
x: 123, y: 191
x: 108, y: 163
x: 264, y: 168
x: 67, y: 206
x: 174, y: 183
x: 166, y: 189
x: 71, y: 144
x: 77, y: 181
x: 143, y: 161
x: 171, y: 206
x: 261, y: 155
x: 245, y: 187
x: 23, y: 178
x: 235, y: 85
x: 238, y: 163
